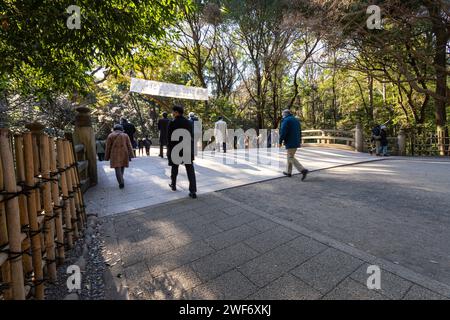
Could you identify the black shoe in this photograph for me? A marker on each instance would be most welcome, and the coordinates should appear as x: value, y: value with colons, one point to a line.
x: 121, y: 185
x: 304, y: 174
x: 193, y: 195
x: 287, y: 174
x: 173, y: 187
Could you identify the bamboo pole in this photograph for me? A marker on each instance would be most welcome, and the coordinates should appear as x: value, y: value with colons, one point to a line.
x: 12, y: 218
x: 36, y: 133
x: 32, y: 216
x: 20, y: 168
x: 36, y: 172
x: 75, y: 185
x: 57, y: 203
x: 5, y: 267
x: 65, y: 193
x: 49, y: 227
x: 78, y: 182
x: 71, y: 193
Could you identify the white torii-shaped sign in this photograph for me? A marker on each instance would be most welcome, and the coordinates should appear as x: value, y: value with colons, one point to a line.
x: 163, y: 89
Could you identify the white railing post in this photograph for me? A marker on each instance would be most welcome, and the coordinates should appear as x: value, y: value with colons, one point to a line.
x: 401, y: 141
x: 359, y: 138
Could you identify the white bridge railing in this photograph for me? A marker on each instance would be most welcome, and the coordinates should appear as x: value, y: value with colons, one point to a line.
x: 329, y: 138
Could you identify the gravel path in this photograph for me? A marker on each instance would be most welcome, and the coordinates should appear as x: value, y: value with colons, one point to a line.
x: 88, y: 255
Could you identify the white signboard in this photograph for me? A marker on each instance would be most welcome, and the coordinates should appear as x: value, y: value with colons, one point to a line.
x: 163, y: 89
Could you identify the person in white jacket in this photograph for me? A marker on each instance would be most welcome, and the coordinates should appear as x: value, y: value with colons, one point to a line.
x: 197, y: 126
x: 220, y: 134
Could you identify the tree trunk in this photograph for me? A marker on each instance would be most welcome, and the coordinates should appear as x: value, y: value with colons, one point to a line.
x: 441, y: 90
x: 371, y: 106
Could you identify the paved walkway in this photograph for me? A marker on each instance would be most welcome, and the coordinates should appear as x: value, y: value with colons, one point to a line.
x: 284, y: 239
x: 147, y: 178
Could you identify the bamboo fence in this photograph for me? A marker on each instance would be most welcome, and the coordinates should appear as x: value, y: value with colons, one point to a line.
x: 41, y: 211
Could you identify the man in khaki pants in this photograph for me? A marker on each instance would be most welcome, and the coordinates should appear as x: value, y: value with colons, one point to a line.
x: 291, y: 135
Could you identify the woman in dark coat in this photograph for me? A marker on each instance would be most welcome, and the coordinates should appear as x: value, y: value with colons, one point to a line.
x: 180, y: 122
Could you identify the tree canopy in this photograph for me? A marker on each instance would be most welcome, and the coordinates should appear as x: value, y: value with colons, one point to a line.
x: 317, y: 57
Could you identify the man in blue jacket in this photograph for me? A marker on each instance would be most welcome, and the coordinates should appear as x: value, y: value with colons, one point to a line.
x: 291, y: 135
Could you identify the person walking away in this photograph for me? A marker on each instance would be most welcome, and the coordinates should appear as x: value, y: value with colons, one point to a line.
x: 376, y: 138
x: 163, y: 125
x: 130, y: 130
x: 291, y: 135
x: 383, y: 142
x: 147, y: 145
x: 100, y: 147
x: 141, y: 147
x: 119, y: 152
x: 180, y: 122
x: 197, y: 126
x: 220, y: 134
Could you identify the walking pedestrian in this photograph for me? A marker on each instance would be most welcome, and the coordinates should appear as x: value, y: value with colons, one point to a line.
x: 197, y: 127
x: 119, y: 152
x: 100, y: 149
x: 130, y: 130
x: 376, y: 138
x: 220, y: 134
x: 141, y: 147
x: 383, y: 142
x: 180, y: 122
x: 291, y: 135
x: 147, y: 145
x: 163, y: 126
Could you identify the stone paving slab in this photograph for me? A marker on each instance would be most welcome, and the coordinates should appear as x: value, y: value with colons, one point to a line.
x: 349, y: 289
x: 244, y: 252
x: 324, y: 271
x: 287, y: 287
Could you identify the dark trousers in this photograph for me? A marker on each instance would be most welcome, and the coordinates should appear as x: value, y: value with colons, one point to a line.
x: 119, y: 174
x: 147, y: 150
x: 101, y: 156
x: 161, y: 150
x: 191, y: 176
x: 224, y: 147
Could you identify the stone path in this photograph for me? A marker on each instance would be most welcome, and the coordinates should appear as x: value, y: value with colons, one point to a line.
x: 284, y: 239
x: 148, y: 177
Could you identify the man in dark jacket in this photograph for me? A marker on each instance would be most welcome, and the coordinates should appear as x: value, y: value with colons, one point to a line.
x: 185, y: 155
x: 291, y: 135
x: 130, y: 130
x: 163, y: 125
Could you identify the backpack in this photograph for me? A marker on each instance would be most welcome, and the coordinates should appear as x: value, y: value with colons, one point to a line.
x: 376, y: 133
x: 147, y: 143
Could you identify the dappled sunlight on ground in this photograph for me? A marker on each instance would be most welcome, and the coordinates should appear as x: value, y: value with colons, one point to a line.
x: 147, y: 178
